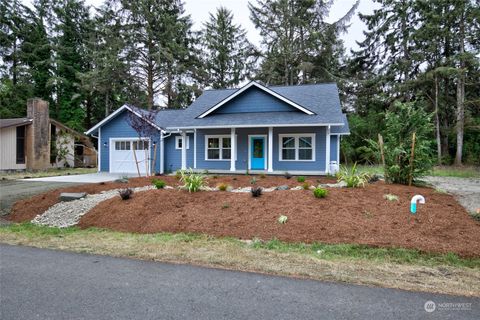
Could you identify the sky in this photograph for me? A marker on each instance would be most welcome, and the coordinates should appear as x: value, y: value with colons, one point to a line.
x: 199, y: 10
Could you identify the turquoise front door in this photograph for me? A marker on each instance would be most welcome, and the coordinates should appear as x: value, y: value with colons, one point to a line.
x: 257, y: 153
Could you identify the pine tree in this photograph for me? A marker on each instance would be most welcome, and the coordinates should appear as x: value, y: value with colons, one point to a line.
x: 228, y: 58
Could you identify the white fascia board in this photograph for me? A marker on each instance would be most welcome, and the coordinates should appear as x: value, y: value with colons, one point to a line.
x: 257, y: 126
x: 261, y: 87
x: 115, y: 113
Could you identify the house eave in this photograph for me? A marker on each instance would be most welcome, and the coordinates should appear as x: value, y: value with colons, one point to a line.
x: 255, y: 126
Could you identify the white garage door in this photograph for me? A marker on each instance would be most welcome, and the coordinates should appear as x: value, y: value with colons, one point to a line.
x: 122, y: 159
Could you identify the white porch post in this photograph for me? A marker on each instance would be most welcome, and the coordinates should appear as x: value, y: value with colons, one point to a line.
x: 327, y: 151
x: 195, y: 148
x: 233, y: 150
x: 270, y: 149
x: 162, y: 155
x: 100, y: 146
x: 184, y: 150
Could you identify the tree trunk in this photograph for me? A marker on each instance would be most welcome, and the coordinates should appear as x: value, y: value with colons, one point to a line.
x: 107, y: 107
x: 460, y: 94
x: 437, y: 124
x: 150, y: 86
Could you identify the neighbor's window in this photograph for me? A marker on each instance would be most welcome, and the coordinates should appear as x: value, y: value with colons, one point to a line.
x: 297, y: 147
x: 179, y: 142
x: 21, y: 145
x: 218, y: 148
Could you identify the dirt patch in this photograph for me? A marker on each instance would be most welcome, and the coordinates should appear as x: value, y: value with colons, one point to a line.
x: 27, y: 209
x: 345, y: 216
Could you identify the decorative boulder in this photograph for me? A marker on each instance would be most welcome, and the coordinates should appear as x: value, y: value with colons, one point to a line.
x: 283, y: 187
x: 121, y: 180
x: 70, y: 196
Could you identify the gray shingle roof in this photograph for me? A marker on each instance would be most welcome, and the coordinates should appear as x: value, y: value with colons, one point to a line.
x: 322, y: 99
x: 345, y: 129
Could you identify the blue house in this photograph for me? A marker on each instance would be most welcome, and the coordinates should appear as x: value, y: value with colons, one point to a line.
x: 254, y: 128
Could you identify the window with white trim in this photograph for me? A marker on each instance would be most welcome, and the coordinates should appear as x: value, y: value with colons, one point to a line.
x: 122, y: 145
x: 140, y: 145
x: 218, y: 148
x: 297, y: 147
x: 179, y: 141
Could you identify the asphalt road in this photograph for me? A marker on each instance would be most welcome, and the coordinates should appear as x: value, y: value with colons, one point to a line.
x: 45, y: 284
x: 14, y: 190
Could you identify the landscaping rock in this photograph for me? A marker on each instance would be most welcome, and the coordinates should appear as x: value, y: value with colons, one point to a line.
x: 68, y: 196
x: 122, y: 180
x: 283, y: 187
x: 245, y: 189
x: 297, y: 188
x: 68, y: 213
x: 269, y: 189
x: 340, y: 184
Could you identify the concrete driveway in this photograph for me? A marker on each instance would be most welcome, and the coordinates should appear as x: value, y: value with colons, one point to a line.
x: 82, y: 178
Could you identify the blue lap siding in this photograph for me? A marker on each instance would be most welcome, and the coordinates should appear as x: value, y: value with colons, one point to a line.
x: 333, y: 148
x: 119, y: 128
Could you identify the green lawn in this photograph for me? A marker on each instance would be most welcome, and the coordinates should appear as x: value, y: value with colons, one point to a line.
x: 46, y: 173
x: 439, y: 171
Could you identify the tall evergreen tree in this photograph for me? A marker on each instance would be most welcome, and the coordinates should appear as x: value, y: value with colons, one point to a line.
x: 229, y: 54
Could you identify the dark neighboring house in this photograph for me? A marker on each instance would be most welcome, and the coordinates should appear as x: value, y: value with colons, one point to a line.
x: 38, y: 142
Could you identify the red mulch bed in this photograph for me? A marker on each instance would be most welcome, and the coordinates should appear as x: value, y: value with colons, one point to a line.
x: 346, y: 216
x: 27, y: 209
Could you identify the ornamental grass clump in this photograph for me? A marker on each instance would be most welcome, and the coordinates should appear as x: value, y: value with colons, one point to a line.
x: 320, y: 193
x: 301, y: 179
x: 192, y: 181
x: 352, y: 177
x: 222, y: 187
x: 159, y: 184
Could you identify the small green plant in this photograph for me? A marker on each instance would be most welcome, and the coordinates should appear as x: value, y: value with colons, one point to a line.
x: 125, y: 194
x: 287, y: 175
x: 301, y: 179
x: 282, y: 219
x: 192, y: 181
x: 215, y: 177
x: 390, y: 197
x: 178, y: 174
x: 256, y: 192
x: 159, y: 184
x: 263, y: 176
x: 222, y: 187
x: 247, y: 172
x: 306, y: 186
x: 253, y: 181
x: 367, y: 214
x: 225, y: 205
x: 320, y: 193
x: 352, y: 177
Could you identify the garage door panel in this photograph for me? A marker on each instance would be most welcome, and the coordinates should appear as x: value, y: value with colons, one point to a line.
x: 122, y: 159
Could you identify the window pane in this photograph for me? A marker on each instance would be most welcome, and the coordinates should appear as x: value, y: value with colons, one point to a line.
x: 305, y: 154
x: 213, y: 154
x: 226, y: 153
x: 288, y: 154
x: 117, y: 145
x: 145, y: 145
x: 226, y: 142
x: 288, y: 142
x: 127, y: 145
x: 213, y: 143
x: 179, y: 143
x: 305, y: 142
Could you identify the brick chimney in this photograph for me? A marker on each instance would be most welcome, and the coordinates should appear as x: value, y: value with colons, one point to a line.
x: 38, y: 135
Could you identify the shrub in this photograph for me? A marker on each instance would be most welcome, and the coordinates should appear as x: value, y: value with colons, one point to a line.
x: 400, y: 123
x: 301, y: 179
x: 192, y: 181
x: 320, y: 193
x: 390, y: 197
x: 125, y: 194
x: 282, y: 219
x: 256, y: 192
x: 222, y: 187
x: 351, y: 177
x: 306, y: 186
x: 159, y: 184
x: 253, y: 180
x: 287, y: 175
